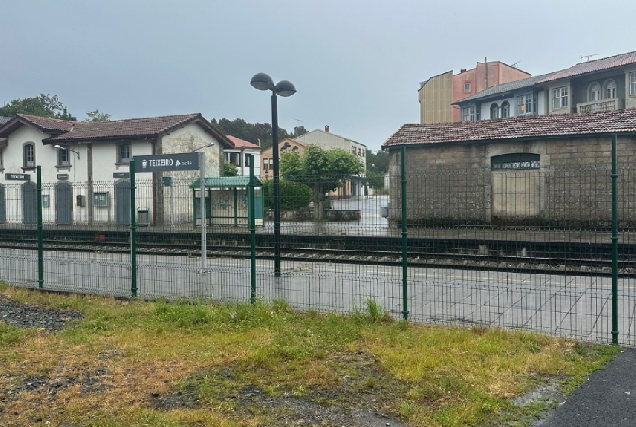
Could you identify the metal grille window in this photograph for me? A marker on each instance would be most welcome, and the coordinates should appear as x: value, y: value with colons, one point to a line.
x: 560, y: 97
x: 29, y: 155
x: 515, y: 161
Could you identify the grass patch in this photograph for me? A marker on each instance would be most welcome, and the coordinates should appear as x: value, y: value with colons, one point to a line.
x: 187, y: 363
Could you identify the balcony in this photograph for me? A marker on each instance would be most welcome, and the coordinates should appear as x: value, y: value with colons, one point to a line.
x: 601, y: 105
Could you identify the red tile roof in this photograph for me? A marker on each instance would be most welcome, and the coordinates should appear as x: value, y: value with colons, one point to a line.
x: 45, y: 124
x: 592, y: 66
x: 565, y: 125
x: 241, y: 143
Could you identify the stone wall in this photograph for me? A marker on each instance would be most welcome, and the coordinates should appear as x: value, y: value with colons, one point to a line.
x: 453, y: 184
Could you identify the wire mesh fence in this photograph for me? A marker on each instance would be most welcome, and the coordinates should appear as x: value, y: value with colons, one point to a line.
x: 522, y: 248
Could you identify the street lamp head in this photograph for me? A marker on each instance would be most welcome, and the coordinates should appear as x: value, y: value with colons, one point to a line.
x: 262, y: 81
x: 57, y: 147
x: 285, y: 88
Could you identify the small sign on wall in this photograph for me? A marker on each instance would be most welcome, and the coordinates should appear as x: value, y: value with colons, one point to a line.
x: 121, y: 175
x: 62, y: 176
x: 17, y: 177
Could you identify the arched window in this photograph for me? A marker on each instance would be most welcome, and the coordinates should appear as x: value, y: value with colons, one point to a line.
x: 494, y: 111
x: 29, y: 155
x: 595, y: 92
x: 610, y: 89
x: 505, y: 110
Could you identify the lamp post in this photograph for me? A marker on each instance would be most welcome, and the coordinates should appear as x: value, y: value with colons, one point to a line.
x: 262, y: 81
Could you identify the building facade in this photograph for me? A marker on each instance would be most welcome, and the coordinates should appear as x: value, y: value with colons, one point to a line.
x: 284, y: 146
x: 536, y: 170
x: 437, y: 94
x: 326, y: 140
x: 239, y: 156
x: 606, y: 84
x: 86, y: 165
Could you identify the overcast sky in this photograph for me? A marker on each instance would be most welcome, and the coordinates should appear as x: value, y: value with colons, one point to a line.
x: 356, y: 64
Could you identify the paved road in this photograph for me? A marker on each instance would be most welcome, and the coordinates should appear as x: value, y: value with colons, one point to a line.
x: 607, y: 399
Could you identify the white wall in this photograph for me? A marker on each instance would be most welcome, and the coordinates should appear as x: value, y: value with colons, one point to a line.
x: 329, y: 141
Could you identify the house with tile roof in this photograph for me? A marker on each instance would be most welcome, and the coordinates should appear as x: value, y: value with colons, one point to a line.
x: 528, y: 170
x: 86, y: 164
x: 605, y: 84
x: 327, y: 140
x: 287, y: 145
x: 239, y: 156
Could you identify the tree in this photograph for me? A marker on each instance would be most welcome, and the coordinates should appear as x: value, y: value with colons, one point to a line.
x: 97, y: 116
x: 322, y: 170
x: 229, y: 169
x: 377, y: 167
x: 256, y: 133
x: 43, y: 106
x: 293, y: 195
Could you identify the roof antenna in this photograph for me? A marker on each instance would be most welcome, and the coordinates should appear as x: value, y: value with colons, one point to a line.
x: 515, y: 64
x: 587, y: 57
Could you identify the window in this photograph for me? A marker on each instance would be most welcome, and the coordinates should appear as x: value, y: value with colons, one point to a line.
x: 505, y: 110
x: 516, y: 161
x: 295, y: 149
x: 467, y: 87
x: 123, y: 153
x: 560, y: 97
x: 595, y: 92
x: 632, y: 83
x: 494, y: 111
x: 610, y: 89
x: 468, y: 114
x: 247, y: 160
x: 1, y: 167
x: 526, y: 104
x: 29, y: 155
x: 62, y: 157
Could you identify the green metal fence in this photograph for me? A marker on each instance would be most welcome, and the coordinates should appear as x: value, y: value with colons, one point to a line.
x: 511, y: 247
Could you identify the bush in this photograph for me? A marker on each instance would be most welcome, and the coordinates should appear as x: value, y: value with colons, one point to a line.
x: 293, y: 195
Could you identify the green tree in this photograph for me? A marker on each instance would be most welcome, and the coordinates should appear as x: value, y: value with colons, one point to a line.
x: 322, y: 170
x: 293, y: 195
x: 229, y: 169
x: 43, y: 106
x: 97, y: 116
x: 256, y: 133
x: 377, y: 167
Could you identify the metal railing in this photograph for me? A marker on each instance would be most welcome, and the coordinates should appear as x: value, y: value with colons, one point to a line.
x: 548, y: 249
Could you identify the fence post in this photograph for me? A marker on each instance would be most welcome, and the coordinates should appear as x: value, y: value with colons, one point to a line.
x: 405, y: 311
x: 133, y: 232
x: 40, y: 237
x: 614, y: 245
x: 251, y: 220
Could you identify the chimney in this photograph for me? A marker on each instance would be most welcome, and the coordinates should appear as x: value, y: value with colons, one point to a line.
x: 326, y: 128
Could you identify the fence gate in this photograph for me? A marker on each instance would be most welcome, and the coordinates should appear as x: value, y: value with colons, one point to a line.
x: 29, y: 203
x: 3, y: 206
x: 64, y: 203
x: 122, y: 203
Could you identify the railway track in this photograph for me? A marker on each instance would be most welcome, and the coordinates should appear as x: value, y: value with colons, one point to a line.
x: 457, y: 258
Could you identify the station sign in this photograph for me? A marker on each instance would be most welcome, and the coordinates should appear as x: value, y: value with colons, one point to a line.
x: 167, y: 162
x: 17, y: 177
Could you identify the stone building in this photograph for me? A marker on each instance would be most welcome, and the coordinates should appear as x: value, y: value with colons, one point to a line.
x: 535, y: 170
